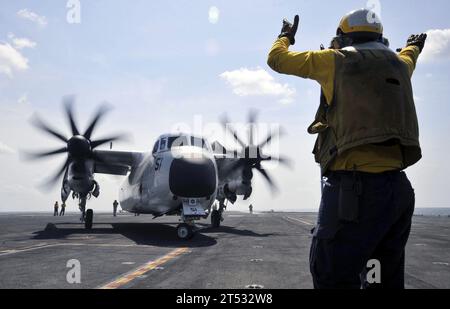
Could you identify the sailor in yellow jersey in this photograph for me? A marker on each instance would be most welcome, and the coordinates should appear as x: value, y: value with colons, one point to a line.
x: 368, y: 134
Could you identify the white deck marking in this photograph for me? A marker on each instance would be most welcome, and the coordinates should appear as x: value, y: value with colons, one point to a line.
x: 441, y: 263
x: 300, y: 220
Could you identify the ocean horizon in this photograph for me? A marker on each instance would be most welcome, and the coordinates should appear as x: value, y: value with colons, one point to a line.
x: 419, y: 211
x: 433, y: 211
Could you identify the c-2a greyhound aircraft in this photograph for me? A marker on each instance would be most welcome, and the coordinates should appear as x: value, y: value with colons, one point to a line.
x: 183, y: 175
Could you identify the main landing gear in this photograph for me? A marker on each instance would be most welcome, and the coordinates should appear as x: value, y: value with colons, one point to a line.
x: 215, y: 218
x: 87, y: 216
x: 216, y: 215
x: 88, y: 219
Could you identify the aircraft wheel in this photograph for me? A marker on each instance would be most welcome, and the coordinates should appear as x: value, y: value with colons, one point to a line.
x: 184, y: 231
x: 215, y: 218
x: 88, y: 219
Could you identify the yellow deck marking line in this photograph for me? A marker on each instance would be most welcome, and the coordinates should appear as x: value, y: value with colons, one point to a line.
x: 130, y: 276
x: 299, y: 220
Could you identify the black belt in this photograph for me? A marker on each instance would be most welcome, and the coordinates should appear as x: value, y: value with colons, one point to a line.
x: 362, y: 174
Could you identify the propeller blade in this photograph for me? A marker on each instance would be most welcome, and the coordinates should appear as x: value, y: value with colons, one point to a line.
x: 40, y: 155
x: 270, y: 137
x: 283, y: 160
x: 263, y: 172
x: 38, y: 123
x: 252, y: 116
x: 98, y: 143
x: 68, y: 105
x: 48, y: 184
x: 230, y: 129
x: 102, y: 111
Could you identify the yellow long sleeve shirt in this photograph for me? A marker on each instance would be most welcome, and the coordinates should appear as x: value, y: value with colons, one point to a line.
x: 320, y: 66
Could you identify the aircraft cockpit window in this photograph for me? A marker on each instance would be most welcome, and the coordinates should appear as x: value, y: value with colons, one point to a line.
x: 155, y: 148
x: 198, y: 142
x: 163, y: 144
x: 178, y: 141
x: 167, y: 143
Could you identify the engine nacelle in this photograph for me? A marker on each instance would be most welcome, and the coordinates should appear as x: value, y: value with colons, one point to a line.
x: 229, y: 195
x: 234, y: 188
x: 80, y: 176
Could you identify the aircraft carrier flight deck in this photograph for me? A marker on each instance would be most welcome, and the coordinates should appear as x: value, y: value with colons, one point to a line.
x: 262, y: 250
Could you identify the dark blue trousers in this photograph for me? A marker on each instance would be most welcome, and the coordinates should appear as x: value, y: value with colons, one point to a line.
x: 340, y: 250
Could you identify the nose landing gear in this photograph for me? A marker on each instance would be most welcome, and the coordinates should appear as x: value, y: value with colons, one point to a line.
x: 185, y: 231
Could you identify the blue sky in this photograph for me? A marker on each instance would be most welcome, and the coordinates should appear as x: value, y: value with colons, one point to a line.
x: 162, y: 62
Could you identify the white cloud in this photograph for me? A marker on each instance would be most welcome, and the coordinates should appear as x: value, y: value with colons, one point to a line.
x: 11, y: 60
x: 5, y: 149
x: 21, y: 43
x: 258, y: 82
x: 437, y: 46
x: 213, y: 15
x: 32, y: 16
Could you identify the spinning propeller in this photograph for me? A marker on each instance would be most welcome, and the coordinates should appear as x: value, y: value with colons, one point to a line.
x: 251, y: 156
x: 79, y: 147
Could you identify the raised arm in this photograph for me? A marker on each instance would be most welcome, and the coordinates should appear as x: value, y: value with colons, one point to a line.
x: 410, y: 54
x: 315, y: 65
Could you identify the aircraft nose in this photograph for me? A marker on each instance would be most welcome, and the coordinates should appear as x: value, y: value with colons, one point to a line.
x: 192, y: 177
